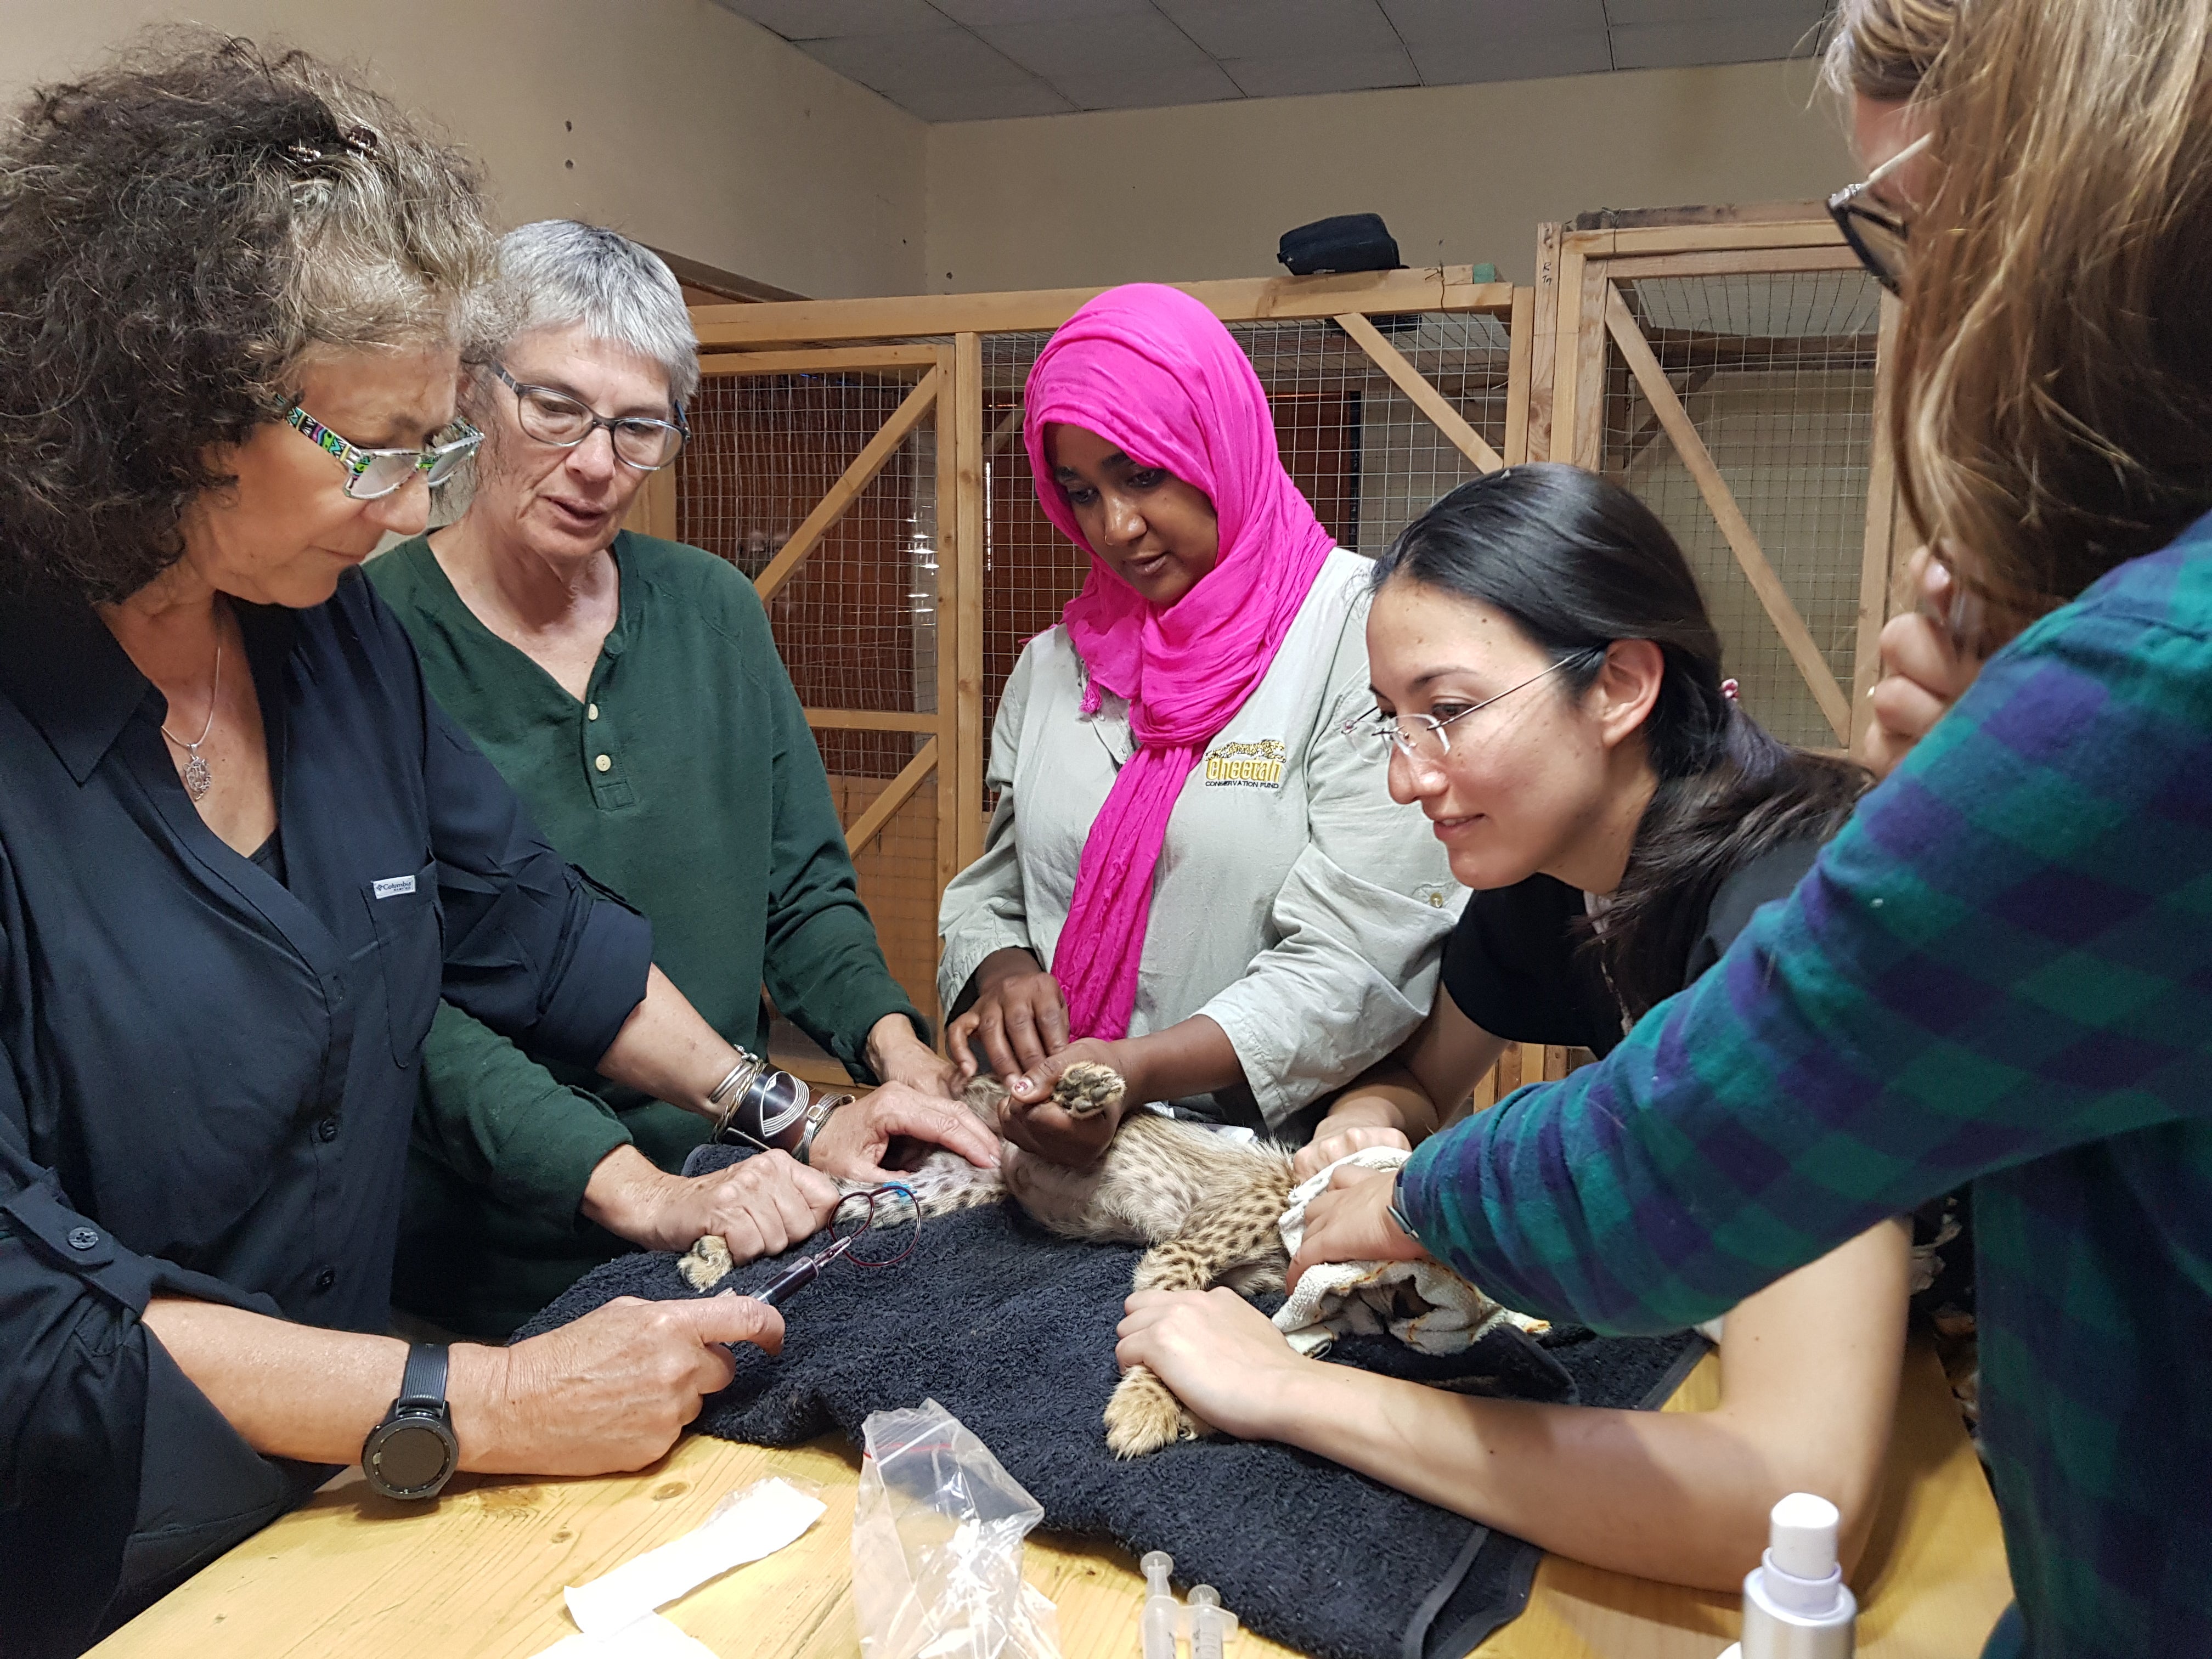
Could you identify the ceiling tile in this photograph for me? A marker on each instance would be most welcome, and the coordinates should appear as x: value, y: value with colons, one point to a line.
x: 1741, y: 40
x: 1806, y: 12
x: 1126, y: 44
x: 1463, y: 22
x: 1297, y: 75
x: 1528, y: 58
x: 1110, y: 86
x: 979, y: 14
x: 936, y: 98
x: 887, y: 62
x: 1283, y: 28
x: 834, y: 19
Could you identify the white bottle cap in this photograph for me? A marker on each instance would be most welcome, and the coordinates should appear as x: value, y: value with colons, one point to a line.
x: 1801, y: 1536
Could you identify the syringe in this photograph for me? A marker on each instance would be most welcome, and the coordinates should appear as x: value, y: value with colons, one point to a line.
x: 1159, y: 1618
x: 1208, y: 1623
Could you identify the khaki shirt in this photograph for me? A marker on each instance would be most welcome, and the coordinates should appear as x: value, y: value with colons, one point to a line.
x: 1295, y: 903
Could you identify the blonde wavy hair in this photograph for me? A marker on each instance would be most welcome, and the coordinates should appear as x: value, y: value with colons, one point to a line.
x: 2054, y: 415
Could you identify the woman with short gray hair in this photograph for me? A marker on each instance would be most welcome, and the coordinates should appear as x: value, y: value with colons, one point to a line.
x: 630, y: 690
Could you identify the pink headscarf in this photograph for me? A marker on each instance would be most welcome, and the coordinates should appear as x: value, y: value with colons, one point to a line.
x: 1153, y: 372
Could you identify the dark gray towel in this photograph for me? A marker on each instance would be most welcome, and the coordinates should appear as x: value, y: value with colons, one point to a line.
x: 1012, y: 1330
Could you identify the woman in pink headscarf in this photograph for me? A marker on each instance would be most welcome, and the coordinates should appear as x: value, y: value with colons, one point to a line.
x: 1190, y: 874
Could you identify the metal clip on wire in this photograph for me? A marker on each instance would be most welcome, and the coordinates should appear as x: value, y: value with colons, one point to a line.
x: 806, y: 1271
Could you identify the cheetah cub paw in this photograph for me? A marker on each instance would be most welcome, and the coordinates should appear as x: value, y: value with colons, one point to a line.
x: 707, y: 1263
x: 1144, y: 1416
x: 1087, y: 1088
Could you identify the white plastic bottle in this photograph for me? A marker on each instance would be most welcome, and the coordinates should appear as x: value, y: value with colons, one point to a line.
x: 1795, y: 1604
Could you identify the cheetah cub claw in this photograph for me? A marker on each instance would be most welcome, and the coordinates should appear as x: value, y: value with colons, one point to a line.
x: 707, y: 1263
x: 1086, y: 1088
x: 1143, y: 1416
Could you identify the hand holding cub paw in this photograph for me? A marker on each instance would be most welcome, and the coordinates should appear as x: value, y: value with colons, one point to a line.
x: 1065, y: 1109
x: 1221, y: 1356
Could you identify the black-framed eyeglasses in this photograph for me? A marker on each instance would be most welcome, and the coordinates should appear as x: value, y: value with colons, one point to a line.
x: 554, y: 417
x: 1423, y: 737
x: 1876, y: 233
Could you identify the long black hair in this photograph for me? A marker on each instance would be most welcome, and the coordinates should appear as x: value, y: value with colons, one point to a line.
x: 1577, y: 563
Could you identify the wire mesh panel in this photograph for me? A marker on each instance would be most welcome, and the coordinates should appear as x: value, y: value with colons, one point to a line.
x: 856, y: 623
x: 1776, y: 372
x: 1367, y: 457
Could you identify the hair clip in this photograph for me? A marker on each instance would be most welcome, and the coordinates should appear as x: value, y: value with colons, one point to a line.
x: 362, y: 141
x: 1729, y: 689
x: 307, y: 154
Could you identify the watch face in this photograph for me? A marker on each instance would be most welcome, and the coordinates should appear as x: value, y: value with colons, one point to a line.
x: 409, y: 1456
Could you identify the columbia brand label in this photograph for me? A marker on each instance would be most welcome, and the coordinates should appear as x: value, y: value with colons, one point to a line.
x: 393, y: 886
x: 1254, y: 765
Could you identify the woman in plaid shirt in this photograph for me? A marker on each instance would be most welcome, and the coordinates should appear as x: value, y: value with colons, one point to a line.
x: 2000, y: 971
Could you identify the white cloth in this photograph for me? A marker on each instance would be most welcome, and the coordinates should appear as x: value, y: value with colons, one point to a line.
x: 1425, y: 1305
x: 745, y: 1526
x: 1295, y: 903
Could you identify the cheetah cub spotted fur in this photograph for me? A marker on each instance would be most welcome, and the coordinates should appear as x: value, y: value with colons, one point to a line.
x: 1207, y: 1205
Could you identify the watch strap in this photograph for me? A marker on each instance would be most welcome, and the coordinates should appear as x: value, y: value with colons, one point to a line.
x: 423, y: 1382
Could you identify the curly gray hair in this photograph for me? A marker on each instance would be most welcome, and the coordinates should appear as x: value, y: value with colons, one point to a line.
x: 178, y: 233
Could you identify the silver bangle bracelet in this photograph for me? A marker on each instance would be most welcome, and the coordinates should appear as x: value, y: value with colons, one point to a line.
x: 759, y: 1106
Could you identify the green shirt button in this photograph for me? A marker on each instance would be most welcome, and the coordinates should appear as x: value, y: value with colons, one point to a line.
x: 603, y: 762
x: 591, y: 711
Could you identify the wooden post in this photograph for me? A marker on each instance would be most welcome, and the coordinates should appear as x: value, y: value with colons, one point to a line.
x: 953, y: 395
x: 1520, y: 355
x: 1543, y: 344
x: 966, y: 774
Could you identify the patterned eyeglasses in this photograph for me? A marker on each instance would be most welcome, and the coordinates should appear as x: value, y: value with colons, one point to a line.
x: 372, y: 474
x: 1423, y: 737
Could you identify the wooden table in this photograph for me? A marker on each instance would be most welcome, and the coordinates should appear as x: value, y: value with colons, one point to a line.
x: 478, y: 1575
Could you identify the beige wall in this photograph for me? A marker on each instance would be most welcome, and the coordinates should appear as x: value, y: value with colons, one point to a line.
x: 700, y: 132
x: 1461, y: 173
x: 689, y: 127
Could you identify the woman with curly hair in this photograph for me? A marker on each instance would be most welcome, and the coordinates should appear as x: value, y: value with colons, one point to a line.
x: 242, y: 853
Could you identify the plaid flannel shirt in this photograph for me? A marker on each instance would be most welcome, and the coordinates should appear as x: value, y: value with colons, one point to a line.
x: 2000, y: 971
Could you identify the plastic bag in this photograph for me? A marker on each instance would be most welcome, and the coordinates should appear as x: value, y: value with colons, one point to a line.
x: 937, y: 1546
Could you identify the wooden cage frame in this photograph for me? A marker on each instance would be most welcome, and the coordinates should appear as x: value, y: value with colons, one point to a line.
x: 1560, y: 333
x: 1582, y: 319
x: 938, y: 338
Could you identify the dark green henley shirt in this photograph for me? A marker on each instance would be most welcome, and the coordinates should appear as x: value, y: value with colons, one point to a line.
x: 688, y: 782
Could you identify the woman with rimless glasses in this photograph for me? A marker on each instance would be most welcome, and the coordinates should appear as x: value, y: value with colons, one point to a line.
x: 629, y: 689
x: 242, y: 851
x: 1551, y: 695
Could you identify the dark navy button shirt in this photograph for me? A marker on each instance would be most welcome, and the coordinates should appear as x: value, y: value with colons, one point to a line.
x: 207, y: 1074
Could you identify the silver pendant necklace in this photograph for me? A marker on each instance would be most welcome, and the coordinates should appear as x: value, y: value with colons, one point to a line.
x: 197, y: 778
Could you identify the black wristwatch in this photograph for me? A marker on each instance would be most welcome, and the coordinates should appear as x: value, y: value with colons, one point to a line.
x: 412, y: 1453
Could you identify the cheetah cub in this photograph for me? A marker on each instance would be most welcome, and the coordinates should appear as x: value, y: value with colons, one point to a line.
x: 1207, y: 1205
